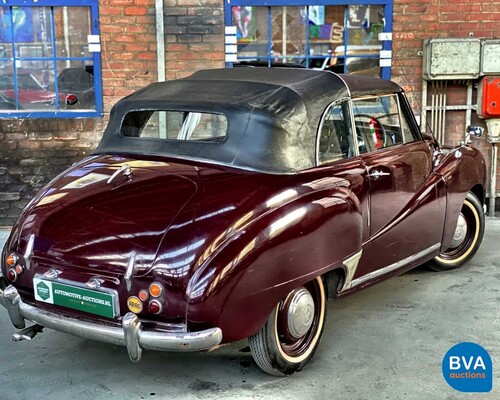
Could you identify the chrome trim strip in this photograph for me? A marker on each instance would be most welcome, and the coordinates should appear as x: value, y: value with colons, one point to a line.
x: 130, y: 272
x: 139, y: 338
x: 28, y: 254
x: 351, y: 264
x: 318, y: 132
x: 125, y: 168
x: 395, y: 266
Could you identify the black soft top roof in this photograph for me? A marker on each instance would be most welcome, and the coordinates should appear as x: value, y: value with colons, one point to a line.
x: 273, y: 115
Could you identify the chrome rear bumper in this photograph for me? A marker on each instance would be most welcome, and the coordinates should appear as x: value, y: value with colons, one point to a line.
x: 131, y: 334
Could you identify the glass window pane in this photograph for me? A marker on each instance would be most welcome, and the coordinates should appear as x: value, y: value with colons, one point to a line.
x: 377, y: 123
x: 288, y: 33
x: 326, y: 33
x: 251, y: 31
x: 31, y: 30
x: 364, y: 24
x: 76, y: 78
x: 72, y: 27
x: 30, y: 74
x: 408, y: 134
x: 363, y: 66
x: 175, y: 125
x: 34, y: 86
x: 335, y: 141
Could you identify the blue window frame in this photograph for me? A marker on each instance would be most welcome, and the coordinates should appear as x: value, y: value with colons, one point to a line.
x: 347, y: 36
x: 50, y: 64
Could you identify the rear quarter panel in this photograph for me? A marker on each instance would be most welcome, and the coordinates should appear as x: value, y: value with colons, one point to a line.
x: 463, y: 169
x: 281, y: 249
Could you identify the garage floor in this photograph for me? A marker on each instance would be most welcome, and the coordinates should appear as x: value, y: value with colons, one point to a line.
x: 386, y: 342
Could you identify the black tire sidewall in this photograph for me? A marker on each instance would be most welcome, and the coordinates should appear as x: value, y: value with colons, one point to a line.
x: 279, y: 360
x: 439, y: 264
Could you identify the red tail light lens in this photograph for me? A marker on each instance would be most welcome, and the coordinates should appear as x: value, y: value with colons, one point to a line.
x: 154, y: 307
x: 19, y: 269
x: 12, y: 275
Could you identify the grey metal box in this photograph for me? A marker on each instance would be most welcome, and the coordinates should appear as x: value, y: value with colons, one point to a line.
x: 453, y: 58
x: 490, y: 57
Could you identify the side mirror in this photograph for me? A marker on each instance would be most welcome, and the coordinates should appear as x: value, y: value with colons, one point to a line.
x: 477, y: 131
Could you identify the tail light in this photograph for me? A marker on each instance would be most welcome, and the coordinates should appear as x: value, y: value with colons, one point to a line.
x: 11, y: 260
x: 12, y: 275
x: 155, y: 289
x: 154, y: 307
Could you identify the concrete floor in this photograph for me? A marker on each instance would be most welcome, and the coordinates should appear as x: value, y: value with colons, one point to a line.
x: 386, y: 342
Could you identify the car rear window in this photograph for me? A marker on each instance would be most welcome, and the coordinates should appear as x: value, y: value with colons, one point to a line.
x: 175, y: 125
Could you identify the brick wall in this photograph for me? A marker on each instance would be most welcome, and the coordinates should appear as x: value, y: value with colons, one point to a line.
x: 33, y: 151
x: 414, y: 22
x: 194, y: 35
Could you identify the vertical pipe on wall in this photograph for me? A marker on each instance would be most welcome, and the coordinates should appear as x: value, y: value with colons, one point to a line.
x: 493, y: 179
x: 468, y: 112
x: 423, y: 111
x: 160, y: 40
x: 443, y: 117
x: 66, y: 35
x: 433, y: 110
x: 160, y: 55
x: 283, y: 32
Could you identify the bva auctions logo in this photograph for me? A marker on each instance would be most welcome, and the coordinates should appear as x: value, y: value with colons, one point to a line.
x: 467, y: 367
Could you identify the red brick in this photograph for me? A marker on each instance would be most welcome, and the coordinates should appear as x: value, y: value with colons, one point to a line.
x: 177, y: 47
x: 110, y: 10
x: 111, y: 29
x: 125, y: 38
x: 146, y: 56
x: 135, y: 10
x: 135, y: 46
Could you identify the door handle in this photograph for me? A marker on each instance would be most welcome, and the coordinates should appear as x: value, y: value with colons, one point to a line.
x: 378, y: 174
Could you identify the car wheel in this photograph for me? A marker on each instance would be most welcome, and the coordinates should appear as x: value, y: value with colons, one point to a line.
x: 467, y: 238
x: 290, y: 336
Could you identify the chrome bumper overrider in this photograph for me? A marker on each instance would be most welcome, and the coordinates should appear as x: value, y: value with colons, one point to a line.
x: 131, y: 334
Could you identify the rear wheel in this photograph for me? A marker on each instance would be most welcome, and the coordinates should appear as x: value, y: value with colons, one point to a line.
x: 290, y: 336
x: 467, y: 238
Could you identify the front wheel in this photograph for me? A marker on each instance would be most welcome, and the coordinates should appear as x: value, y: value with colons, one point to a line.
x: 467, y: 238
x: 291, y: 334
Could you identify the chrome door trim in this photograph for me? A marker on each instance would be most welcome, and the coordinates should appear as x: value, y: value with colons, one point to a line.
x: 393, y: 267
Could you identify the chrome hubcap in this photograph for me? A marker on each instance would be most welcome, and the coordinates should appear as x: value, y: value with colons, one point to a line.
x: 460, y: 231
x: 300, y: 313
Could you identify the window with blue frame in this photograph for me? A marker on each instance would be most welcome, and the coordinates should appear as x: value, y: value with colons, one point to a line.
x: 342, y: 36
x: 50, y: 59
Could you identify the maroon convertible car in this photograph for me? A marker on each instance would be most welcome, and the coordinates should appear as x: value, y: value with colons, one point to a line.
x: 231, y: 204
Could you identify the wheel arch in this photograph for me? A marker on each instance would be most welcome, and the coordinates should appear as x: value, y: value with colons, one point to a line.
x: 258, y: 270
x: 464, y: 171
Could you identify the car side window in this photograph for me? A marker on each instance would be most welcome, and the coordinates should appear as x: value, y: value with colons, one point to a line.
x: 335, y: 137
x: 408, y: 134
x: 377, y: 121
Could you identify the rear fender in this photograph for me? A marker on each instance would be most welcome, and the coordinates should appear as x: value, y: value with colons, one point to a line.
x: 237, y: 289
x: 462, y: 169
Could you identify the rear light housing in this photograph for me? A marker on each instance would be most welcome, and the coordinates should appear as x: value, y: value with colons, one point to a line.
x: 11, y: 260
x: 12, y: 275
x: 155, y: 289
x: 155, y: 307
